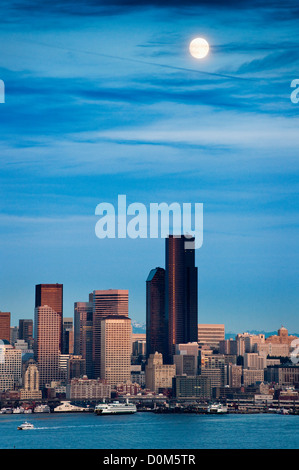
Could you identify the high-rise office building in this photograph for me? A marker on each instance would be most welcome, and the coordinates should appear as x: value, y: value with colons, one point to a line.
x: 47, y: 338
x: 83, y: 332
x: 26, y: 331
x: 5, y: 326
x: 210, y: 334
x: 105, y: 303
x: 156, y: 326
x: 181, y: 291
x: 10, y: 367
x: 158, y: 376
x: 186, y: 358
x: 68, y: 336
x: 31, y: 389
x: 116, y: 349
x: 52, y: 296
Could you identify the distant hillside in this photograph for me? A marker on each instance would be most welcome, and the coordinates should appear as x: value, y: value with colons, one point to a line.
x: 139, y: 327
x: 256, y: 332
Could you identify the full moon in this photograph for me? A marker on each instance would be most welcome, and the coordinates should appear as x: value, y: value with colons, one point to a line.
x: 199, y: 48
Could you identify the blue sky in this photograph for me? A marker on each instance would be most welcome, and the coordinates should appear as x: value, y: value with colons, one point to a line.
x: 106, y: 100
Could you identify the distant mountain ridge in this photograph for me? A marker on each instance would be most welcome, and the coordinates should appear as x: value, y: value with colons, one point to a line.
x: 139, y: 327
x: 257, y: 332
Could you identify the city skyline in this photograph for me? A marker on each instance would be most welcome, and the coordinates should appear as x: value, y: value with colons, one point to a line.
x: 103, y: 100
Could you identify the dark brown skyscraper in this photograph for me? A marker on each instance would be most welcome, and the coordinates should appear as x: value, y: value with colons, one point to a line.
x: 181, y: 291
x: 5, y: 326
x: 51, y: 295
x: 156, y: 326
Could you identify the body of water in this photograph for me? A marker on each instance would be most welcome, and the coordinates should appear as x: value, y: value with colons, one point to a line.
x: 150, y: 431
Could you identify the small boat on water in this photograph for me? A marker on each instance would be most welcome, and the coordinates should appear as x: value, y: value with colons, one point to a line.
x: 25, y: 426
x: 217, y: 408
x: 115, y: 408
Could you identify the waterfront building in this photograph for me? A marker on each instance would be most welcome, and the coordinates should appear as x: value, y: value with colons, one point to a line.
x: 210, y: 335
x: 128, y: 388
x: 88, y: 389
x: 116, y: 349
x: 196, y: 387
x: 5, y: 326
x: 158, y: 375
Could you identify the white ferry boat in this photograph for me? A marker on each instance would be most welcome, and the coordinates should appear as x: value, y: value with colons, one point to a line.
x: 25, y: 426
x: 42, y: 409
x: 6, y: 411
x: 115, y: 408
x: 67, y: 407
x: 217, y: 408
x: 18, y: 410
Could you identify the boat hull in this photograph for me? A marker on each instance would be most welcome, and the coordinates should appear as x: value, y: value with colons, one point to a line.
x: 104, y: 412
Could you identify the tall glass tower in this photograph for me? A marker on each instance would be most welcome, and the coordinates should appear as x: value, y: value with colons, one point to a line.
x: 181, y: 301
x: 156, y: 326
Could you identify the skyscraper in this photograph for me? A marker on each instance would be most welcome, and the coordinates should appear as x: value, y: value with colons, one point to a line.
x: 156, y: 326
x: 47, y: 336
x: 180, y: 291
x: 52, y: 296
x: 105, y: 303
x: 83, y: 331
x: 5, y: 326
x: 68, y: 336
x: 26, y: 331
x: 116, y: 349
